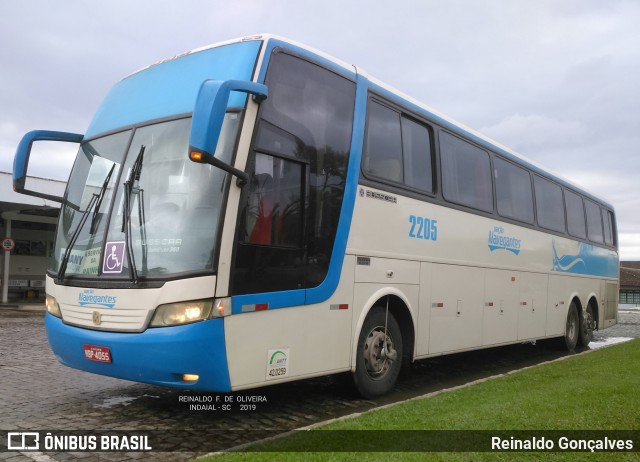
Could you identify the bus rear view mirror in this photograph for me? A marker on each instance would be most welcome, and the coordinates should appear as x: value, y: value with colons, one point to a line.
x: 21, y: 160
x: 208, y: 116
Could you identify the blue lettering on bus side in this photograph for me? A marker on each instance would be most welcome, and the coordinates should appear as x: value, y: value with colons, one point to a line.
x: 498, y: 241
x: 423, y: 228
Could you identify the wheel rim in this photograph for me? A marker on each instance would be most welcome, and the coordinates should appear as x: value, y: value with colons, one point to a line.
x: 572, y: 328
x: 375, y: 353
x: 589, y: 324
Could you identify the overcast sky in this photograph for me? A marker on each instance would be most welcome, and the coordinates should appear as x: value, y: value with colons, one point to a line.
x: 556, y: 80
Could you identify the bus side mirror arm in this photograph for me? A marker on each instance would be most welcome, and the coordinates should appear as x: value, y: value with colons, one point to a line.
x: 208, y: 116
x: 21, y: 159
x: 242, y: 177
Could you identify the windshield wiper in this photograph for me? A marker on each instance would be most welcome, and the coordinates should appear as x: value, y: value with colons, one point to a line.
x: 94, y: 204
x: 134, y: 175
x: 96, y: 210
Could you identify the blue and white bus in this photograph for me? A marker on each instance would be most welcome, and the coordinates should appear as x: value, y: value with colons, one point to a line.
x: 256, y: 212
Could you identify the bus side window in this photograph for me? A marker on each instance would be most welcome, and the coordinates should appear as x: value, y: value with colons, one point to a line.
x: 417, y: 155
x: 549, y: 204
x: 608, y: 227
x: 594, y: 222
x: 260, y: 210
x: 273, y: 214
x: 466, y: 173
x: 575, y: 214
x: 384, y: 144
x: 513, y: 191
x: 289, y: 218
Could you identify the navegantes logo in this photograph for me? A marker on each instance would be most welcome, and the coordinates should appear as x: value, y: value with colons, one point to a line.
x: 499, y: 241
x: 89, y: 297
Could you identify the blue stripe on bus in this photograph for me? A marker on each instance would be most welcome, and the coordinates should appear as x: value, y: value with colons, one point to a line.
x: 283, y: 299
x: 590, y: 260
x: 170, y: 88
x: 326, y: 289
x: 330, y: 284
x: 167, y: 352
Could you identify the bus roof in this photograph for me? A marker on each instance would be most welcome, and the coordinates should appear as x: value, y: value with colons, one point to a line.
x: 404, y: 100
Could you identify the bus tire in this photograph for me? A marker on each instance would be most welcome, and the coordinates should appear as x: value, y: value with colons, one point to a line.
x: 586, y: 327
x: 572, y: 328
x: 376, y: 373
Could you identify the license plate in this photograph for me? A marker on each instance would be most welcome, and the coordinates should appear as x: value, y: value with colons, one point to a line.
x: 97, y: 353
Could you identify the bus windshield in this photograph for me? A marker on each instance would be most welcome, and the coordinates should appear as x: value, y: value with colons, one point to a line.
x: 148, y: 210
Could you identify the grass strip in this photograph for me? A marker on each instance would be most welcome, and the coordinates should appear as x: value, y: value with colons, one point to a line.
x: 595, y: 391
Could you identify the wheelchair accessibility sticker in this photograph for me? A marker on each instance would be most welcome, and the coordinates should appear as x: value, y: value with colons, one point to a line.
x: 113, y: 257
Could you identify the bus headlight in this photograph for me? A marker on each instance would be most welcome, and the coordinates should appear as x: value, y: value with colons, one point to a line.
x: 173, y: 314
x: 52, y: 306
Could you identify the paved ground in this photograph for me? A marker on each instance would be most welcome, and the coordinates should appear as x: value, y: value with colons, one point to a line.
x: 39, y: 394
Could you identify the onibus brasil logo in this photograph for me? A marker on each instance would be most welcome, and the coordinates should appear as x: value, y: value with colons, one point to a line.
x: 499, y: 241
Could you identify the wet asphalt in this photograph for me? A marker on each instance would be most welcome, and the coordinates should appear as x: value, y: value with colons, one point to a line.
x: 39, y: 394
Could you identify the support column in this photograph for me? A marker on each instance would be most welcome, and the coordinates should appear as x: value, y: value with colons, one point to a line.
x: 7, y: 255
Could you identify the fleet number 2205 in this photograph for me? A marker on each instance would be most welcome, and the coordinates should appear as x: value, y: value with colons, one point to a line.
x: 423, y: 228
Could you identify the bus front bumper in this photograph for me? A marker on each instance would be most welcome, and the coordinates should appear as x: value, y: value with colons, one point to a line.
x: 159, y: 356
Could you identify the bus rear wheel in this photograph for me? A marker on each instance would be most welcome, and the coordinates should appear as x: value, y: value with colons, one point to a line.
x: 572, y: 328
x: 379, y: 355
x: 587, y: 325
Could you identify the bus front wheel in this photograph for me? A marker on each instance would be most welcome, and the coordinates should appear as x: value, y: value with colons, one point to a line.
x: 379, y: 356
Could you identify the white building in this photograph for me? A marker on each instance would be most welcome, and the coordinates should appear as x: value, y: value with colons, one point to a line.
x: 30, y: 222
